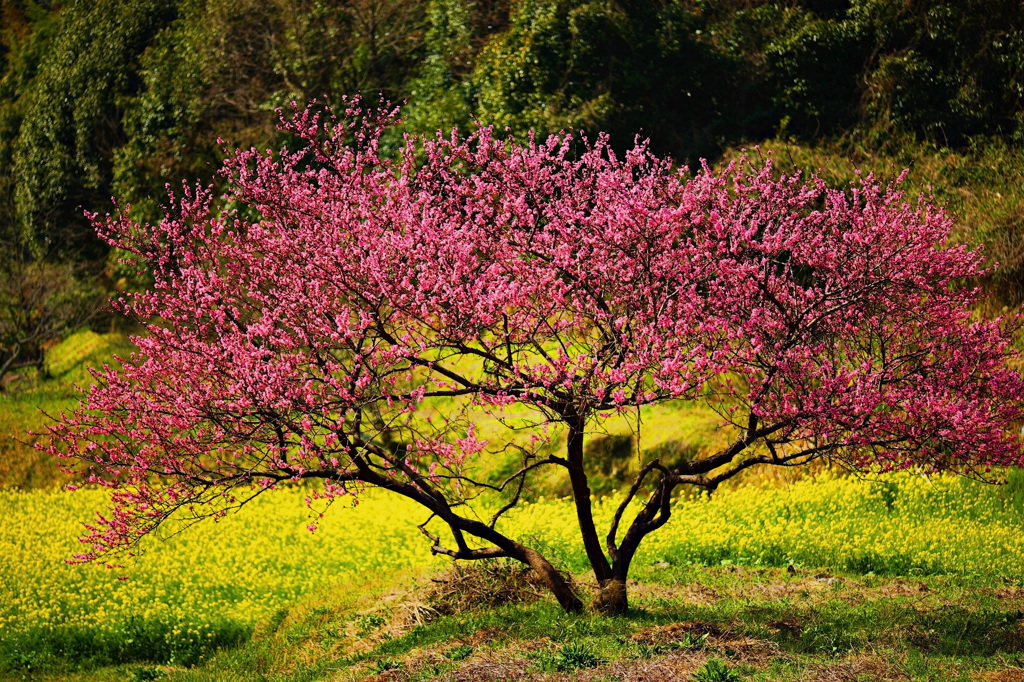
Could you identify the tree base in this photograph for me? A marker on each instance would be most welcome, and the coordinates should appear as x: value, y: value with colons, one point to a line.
x: 610, y: 598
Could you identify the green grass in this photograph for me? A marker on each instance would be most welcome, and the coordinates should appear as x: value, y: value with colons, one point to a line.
x: 762, y: 624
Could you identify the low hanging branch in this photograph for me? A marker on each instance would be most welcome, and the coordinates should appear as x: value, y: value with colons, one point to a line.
x: 346, y: 318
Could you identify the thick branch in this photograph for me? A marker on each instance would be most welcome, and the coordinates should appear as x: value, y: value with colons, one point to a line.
x: 613, y: 549
x: 463, y: 552
x: 658, y: 509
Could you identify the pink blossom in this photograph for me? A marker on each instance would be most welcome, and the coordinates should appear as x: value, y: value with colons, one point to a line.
x: 355, y: 318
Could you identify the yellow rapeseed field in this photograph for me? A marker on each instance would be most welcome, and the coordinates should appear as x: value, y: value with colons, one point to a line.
x: 210, y: 584
x: 206, y: 585
x: 897, y: 525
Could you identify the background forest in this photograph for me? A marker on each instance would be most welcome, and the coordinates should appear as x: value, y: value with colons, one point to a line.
x: 122, y: 96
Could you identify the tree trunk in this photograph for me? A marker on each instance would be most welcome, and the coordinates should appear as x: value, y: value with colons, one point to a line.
x: 582, y: 502
x: 610, y: 598
x: 553, y: 580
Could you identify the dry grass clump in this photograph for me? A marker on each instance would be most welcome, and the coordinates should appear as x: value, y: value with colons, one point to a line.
x: 1008, y: 675
x: 678, y: 632
x: 494, y: 667
x: 484, y: 584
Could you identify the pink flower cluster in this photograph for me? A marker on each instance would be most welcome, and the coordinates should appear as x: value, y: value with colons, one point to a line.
x: 334, y: 314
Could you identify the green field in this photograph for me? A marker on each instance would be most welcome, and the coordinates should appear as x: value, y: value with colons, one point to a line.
x: 180, y: 602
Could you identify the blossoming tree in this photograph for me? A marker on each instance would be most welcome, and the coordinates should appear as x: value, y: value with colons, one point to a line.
x: 340, y: 316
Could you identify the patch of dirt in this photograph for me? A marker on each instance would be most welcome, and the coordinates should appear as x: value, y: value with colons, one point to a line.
x: 671, y: 668
x: 701, y: 594
x: 492, y: 669
x: 775, y: 585
x: 859, y: 669
x: 903, y: 588
x: 788, y: 625
x: 756, y: 652
x: 809, y: 589
x: 677, y: 632
x: 483, y: 636
x: 694, y: 593
x: 1013, y: 595
x: 515, y: 662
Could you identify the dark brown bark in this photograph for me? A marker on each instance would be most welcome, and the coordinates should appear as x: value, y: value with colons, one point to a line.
x: 584, y: 512
x: 425, y: 495
x: 553, y: 580
x: 611, y: 598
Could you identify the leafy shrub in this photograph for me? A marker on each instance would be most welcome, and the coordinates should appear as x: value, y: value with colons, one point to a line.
x: 459, y: 653
x: 576, y: 656
x: 716, y: 671
x: 370, y: 622
x: 147, y: 674
x: 385, y: 664
x: 690, y: 641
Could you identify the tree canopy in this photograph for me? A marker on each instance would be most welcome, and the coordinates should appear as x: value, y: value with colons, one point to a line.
x: 352, y: 318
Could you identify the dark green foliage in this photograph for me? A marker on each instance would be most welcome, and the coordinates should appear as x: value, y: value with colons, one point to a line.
x: 26, y: 30
x: 131, y: 94
x: 629, y: 68
x: 148, y: 674
x: 71, y: 127
x: 696, y: 75
x: 440, y: 95
x: 946, y: 69
x: 943, y: 70
x: 223, y: 68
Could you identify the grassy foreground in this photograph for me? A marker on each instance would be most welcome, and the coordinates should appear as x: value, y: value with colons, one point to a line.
x: 922, y: 576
